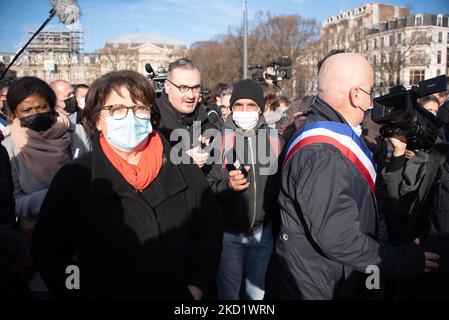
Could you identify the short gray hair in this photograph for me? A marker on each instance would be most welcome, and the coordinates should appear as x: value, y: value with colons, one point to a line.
x: 184, y: 63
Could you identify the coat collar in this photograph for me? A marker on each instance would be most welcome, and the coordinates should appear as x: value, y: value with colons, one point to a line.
x: 107, y: 181
x: 167, y: 109
x: 322, y: 111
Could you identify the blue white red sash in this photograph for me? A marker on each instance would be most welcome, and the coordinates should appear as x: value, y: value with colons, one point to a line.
x: 343, y: 138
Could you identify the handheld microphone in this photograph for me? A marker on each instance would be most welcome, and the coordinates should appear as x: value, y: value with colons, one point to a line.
x: 67, y: 10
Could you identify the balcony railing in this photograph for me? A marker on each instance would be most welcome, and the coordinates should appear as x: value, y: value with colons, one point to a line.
x: 419, y: 61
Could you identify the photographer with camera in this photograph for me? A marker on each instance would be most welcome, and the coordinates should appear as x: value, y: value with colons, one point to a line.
x: 414, y: 193
x: 180, y: 109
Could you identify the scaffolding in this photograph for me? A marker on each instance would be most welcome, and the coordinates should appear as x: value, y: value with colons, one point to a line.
x: 53, y: 43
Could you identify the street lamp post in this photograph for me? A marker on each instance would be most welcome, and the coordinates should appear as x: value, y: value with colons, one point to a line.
x: 245, y: 39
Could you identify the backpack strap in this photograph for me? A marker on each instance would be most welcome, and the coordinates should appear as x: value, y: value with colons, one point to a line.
x: 275, y: 141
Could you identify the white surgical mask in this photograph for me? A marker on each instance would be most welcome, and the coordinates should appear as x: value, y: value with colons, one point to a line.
x: 82, y: 103
x: 245, y: 119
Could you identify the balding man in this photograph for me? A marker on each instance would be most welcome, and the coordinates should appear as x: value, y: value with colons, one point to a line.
x: 66, y: 102
x: 329, y: 229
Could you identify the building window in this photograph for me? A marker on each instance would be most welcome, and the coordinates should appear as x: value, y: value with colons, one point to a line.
x: 375, y: 60
x: 391, y: 41
x: 381, y: 42
x: 416, y: 76
x: 399, y: 37
x: 448, y: 38
x: 375, y: 44
x: 440, y: 37
x: 440, y: 21
x: 419, y: 58
x: 439, y: 57
x: 438, y: 72
x: 418, y: 21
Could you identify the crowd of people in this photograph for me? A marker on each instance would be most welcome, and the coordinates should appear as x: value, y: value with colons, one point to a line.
x: 245, y: 196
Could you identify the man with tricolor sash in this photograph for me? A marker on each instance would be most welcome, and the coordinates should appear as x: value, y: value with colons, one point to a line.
x: 331, y: 233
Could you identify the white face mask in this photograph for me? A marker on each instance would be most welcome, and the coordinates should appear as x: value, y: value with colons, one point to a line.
x: 358, y: 130
x: 245, y: 119
x: 82, y: 103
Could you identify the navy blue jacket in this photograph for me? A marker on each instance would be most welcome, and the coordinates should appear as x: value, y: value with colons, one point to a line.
x: 329, y: 225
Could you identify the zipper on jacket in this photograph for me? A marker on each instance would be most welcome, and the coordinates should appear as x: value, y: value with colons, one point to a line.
x: 255, y: 185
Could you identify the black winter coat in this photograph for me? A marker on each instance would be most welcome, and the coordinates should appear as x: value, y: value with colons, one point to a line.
x: 172, y: 119
x: 128, y: 244
x: 7, y: 202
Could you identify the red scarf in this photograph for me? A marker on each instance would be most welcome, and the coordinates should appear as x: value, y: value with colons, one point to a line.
x: 141, y: 175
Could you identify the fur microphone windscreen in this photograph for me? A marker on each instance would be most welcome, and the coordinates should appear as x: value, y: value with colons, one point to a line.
x: 67, y: 10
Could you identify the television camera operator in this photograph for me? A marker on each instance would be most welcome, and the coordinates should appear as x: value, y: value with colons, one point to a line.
x: 414, y: 192
x: 274, y: 72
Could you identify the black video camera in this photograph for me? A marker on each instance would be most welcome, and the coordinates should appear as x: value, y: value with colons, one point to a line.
x: 280, y: 73
x: 213, y: 111
x: 157, y: 78
x: 400, y: 114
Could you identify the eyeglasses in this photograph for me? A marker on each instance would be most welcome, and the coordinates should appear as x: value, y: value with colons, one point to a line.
x: 119, y: 111
x: 371, y: 93
x: 184, y: 89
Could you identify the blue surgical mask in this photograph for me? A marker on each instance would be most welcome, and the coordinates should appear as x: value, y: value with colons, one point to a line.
x: 128, y: 133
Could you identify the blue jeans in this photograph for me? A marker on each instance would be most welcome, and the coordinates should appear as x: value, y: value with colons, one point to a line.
x: 244, y: 256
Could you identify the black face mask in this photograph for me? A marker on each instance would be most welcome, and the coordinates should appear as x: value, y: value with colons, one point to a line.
x: 71, y: 105
x: 38, y: 122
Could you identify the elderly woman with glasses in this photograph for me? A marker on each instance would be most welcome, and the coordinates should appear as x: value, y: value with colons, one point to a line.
x: 140, y: 226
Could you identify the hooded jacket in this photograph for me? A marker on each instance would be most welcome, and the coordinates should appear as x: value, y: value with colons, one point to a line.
x: 248, y: 211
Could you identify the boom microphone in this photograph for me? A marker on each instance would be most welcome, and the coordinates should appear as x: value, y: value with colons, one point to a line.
x: 67, y: 10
